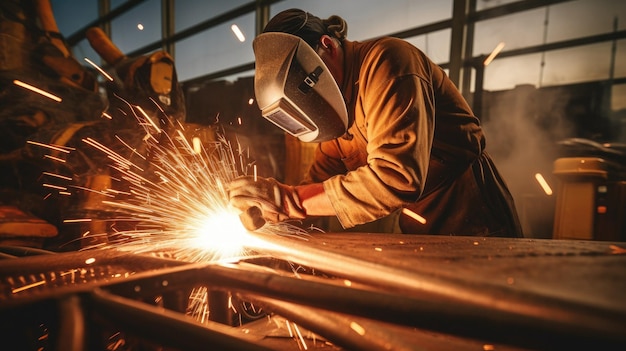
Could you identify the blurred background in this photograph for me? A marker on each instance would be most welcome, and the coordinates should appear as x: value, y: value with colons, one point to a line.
x: 538, y: 73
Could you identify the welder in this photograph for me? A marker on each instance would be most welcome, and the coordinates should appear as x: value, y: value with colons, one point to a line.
x: 395, y: 135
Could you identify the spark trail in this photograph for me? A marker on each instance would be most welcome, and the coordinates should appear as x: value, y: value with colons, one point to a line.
x: 173, y: 198
x: 170, y: 197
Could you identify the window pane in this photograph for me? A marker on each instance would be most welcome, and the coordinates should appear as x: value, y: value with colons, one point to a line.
x: 516, y: 31
x: 435, y: 45
x: 568, y: 20
x: 579, y: 64
x: 572, y: 19
x: 191, y: 12
x: 72, y: 15
x: 116, y: 3
x: 215, y: 49
x: 486, y: 4
x: 374, y: 17
x: 509, y: 72
x: 138, y: 27
x: 564, y: 21
x: 567, y: 66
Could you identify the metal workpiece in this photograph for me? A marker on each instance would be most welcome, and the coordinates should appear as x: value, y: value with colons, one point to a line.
x: 171, y: 328
x: 346, y: 331
x: 532, y: 293
x: 344, y: 291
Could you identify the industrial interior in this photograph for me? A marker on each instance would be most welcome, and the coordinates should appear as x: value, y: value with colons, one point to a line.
x: 121, y: 121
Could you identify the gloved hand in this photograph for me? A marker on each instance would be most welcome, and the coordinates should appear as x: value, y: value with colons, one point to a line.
x: 264, y: 200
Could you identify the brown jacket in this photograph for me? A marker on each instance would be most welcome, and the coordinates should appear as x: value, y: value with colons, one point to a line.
x: 413, y: 137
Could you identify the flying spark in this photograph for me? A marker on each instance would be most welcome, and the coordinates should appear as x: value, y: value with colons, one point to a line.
x: 543, y: 183
x: 238, y: 33
x: 37, y: 90
x: 50, y: 146
x: 494, y: 53
x: 104, y: 74
x: 414, y: 215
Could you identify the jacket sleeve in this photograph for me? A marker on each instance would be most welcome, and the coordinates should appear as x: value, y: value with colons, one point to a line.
x: 397, y: 104
x: 327, y: 162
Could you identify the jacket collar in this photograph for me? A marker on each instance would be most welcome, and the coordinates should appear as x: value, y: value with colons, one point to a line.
x: 351, y: 67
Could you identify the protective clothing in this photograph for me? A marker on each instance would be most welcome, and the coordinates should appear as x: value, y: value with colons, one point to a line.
x: 414, y: 143
x: 264, y: 200
x: 295, y: 90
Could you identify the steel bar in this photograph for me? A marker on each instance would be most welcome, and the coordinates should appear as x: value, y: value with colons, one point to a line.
x: 71, y: 325
x: 360, y: 286
x: 349, y: 332
x: 170, y: 328
x: 553, y: 324
x: 525, y: 313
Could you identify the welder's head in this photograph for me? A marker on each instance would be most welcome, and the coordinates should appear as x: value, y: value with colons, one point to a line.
x: 307, y: 26
x: 293, y: 86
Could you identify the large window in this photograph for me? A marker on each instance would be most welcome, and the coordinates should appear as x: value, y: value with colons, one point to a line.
x: 551, y: 24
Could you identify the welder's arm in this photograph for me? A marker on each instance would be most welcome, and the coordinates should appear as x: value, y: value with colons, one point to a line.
x: 267, y: 200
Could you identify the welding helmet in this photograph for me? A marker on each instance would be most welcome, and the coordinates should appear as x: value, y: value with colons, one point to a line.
x: 295, y: 90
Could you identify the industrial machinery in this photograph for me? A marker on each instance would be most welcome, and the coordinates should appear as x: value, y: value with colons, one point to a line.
x: 591, y: 194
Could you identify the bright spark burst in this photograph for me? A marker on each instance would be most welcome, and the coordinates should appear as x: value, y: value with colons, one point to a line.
x: 171, y: 199
x: 177, y: 203
x: 174, y: 199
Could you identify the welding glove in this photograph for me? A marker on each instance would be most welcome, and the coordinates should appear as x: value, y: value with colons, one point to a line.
x: 264, y: 200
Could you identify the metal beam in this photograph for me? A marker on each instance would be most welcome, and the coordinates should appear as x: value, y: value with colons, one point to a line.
x: 517, y: 6
x: 168, y: 27
x: 458, y: 39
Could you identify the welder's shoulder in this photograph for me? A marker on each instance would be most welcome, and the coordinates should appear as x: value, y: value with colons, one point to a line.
x: 395, y: 46
x: 401, y: 56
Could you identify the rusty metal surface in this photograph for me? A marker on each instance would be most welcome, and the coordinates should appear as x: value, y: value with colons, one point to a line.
x: 589, y: 272
x: 352, y: 290
x: 540, y: 294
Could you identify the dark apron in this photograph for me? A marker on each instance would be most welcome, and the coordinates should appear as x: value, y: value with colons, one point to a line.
x: 471, y: 200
